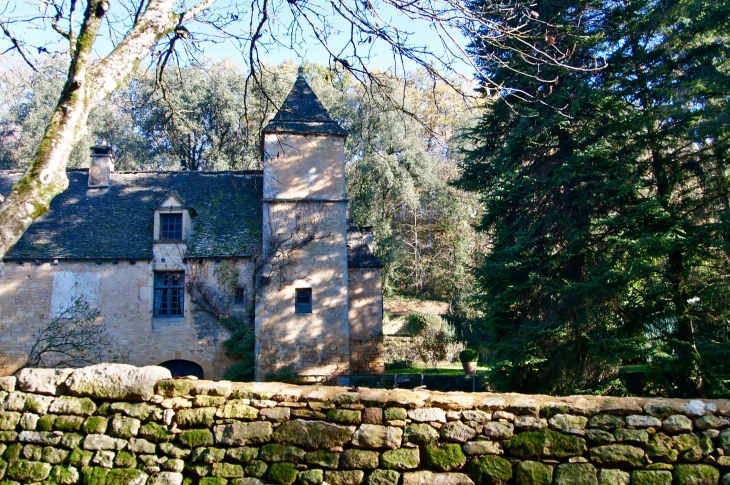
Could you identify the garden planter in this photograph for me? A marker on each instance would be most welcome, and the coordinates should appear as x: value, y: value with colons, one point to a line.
x: 469, y: 367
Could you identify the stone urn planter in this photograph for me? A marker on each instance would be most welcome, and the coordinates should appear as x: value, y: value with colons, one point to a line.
x: 469, y: 359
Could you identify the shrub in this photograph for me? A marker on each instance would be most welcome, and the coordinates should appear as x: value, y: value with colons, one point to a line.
x: 469, y: 355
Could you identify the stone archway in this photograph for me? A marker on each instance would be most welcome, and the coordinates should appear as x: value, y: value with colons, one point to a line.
x: 181, y: 367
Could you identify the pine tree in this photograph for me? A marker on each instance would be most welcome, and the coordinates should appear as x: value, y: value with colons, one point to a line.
x: 606, y: 201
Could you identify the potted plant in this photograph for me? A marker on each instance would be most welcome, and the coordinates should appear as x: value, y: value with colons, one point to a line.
x: 469, y: 359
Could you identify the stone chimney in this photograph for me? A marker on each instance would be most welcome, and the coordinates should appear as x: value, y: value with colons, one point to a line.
x: 101, y: 167
x: 367, y: 234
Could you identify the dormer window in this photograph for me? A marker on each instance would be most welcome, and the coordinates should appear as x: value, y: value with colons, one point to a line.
x: 171, y: 227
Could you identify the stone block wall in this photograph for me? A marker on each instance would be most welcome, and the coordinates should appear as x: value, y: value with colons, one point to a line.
x: 114, y: 424
x: 365, y: 294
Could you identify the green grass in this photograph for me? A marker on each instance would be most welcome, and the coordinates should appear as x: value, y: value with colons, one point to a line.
x: 444, y: 370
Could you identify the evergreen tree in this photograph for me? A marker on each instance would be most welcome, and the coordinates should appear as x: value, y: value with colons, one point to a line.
x: 606, y: 198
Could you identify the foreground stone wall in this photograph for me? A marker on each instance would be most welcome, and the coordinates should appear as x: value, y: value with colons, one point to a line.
x: 114, y: 424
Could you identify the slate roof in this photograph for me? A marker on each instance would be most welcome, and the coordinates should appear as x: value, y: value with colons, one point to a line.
x: 358, y: 252
x: 302, y: 112
x: 118, y: 222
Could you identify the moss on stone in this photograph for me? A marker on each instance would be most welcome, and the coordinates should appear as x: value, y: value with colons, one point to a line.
x: 282, y: 473
x: 354, y: 459
x: 104, y: 409
x: 95, y: 425
x: 64, y: 475
x: 71, y: 440
x: 548, y: 412
x: 311, y: 477
x: 3, y: 468
x: 695, y: 475
x: 68, y: 423
x: 125, y: 459
x: 45, y: 423
x: 227, y: 470
x: 54, y: 456
x: 392, y: 414
x: 618, y: 456
x: 650, y: 477
x: 95, y: 475
x: 12, y: 453
x: 346, y: 477
x: 545, y: 443
x: 159, y: 433
x: 420, y: 434
x: 325, y: 459
x: 344, y: 416
x: 312, y: 434
x: 242, y: 454
x: 124, y: 476
x: 8, y: 435
x: 28, y: 471
x: 32, y: 452
x: 80, y: 458
x: 400, y: 459
x: 575, y: 474
x: 533, y: 473
x: 274, y: 452
x: 203, y: 417
x: 383, y: 477
x: 212, y: 481
x: 174, y: 387
x: 445, y: 458
x: 490, y: 469
x: 256, y: 468
x: 196, y: 437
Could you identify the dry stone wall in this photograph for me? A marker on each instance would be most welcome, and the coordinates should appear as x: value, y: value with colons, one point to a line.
x: 115, y: 424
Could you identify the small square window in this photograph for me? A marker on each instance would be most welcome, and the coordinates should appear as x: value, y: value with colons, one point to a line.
x: 239, y: 296
x: 171, y: 227
x: 303, y: 302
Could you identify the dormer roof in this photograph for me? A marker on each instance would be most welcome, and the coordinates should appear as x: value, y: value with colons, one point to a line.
x: 303, y: 113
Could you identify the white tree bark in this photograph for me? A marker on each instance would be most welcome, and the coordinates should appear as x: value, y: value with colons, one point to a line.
x: 87, y: 83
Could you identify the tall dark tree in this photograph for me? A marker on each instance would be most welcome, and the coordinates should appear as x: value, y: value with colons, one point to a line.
x: 607, y: 213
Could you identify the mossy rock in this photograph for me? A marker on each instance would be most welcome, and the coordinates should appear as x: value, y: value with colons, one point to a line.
x: 420, y: 434
x: 311, y: 477
x: 575, y: 474
x: 325, y: 459
x: 398, y: 414
x: 8, y: 436
x: 3, y: 468
x: 242, y: 454
x: 344, y: 477
x: 32, y: 452
x: 198, y: 470
x: 203, y: 417
x: 12, y: 453
x: 125, y: 459
x: 194, y: 438
x: 651, y: 477
x: 490, y: 469
x: 354, y: 459
x: 383, y: 477
x: 68, y: 423
x: 95, y: 475
x: 400, y: 459
x: 45, y: 423
x: 613, y: 476
x: 54, y: 456
x: 446, y: 458
x: 256, y: 468
x: 28, y: 471
x: 9, y: 482
x: 64, y: 475
x: 283, y: 473
x: 344, y: 416
x: 212, y: 481
x: 661, y: 448
x: 125, y: 476
x: 227, y: 470
x: 620, y: 456
x: 548, y: 412
x: 275, y: 452
x: 124, y: 427
x: 79, y: 406
x: 155, y: 432
x: 312, y: 434
x: 174, y: 387
x: 685, y: 441
x: 546, y: 443
x: 80, y: 458
x: 696, y: 475
x: 95, y: 425
x: 207, y: 455
x: 606, y: 422
x: 9, y: 420
x: 533, y: 473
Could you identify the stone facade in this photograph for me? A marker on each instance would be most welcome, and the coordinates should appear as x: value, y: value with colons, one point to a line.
x: 246, y: 243
x: 112, y: 424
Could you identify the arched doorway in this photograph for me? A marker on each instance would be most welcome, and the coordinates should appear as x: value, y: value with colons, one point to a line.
x: 180, y: 368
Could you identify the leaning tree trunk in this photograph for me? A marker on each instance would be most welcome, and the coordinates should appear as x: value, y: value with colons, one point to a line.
x: 87, y: 83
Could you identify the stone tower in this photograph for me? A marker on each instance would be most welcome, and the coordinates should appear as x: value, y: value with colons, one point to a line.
x: 302, y: 297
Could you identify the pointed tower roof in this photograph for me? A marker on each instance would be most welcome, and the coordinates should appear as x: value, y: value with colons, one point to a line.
x: 302, y: 112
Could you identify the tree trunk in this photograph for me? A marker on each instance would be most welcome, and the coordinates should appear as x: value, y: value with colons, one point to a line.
x: 87, y: 84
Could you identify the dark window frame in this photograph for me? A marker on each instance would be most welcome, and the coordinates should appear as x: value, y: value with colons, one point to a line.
x: 303, y: 300
x: 169, y: 294
x: 239, y: 296
x: 171, y: 227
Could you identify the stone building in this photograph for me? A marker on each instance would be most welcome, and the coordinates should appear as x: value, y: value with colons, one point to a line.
x: 161, y: 255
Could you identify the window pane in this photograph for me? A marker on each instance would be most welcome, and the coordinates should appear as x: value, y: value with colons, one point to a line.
x: 171, y: 227
x: 169, y: 294
x: 303, y: 300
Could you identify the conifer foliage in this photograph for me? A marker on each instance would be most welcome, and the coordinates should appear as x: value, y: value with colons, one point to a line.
x: 607, y: 200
